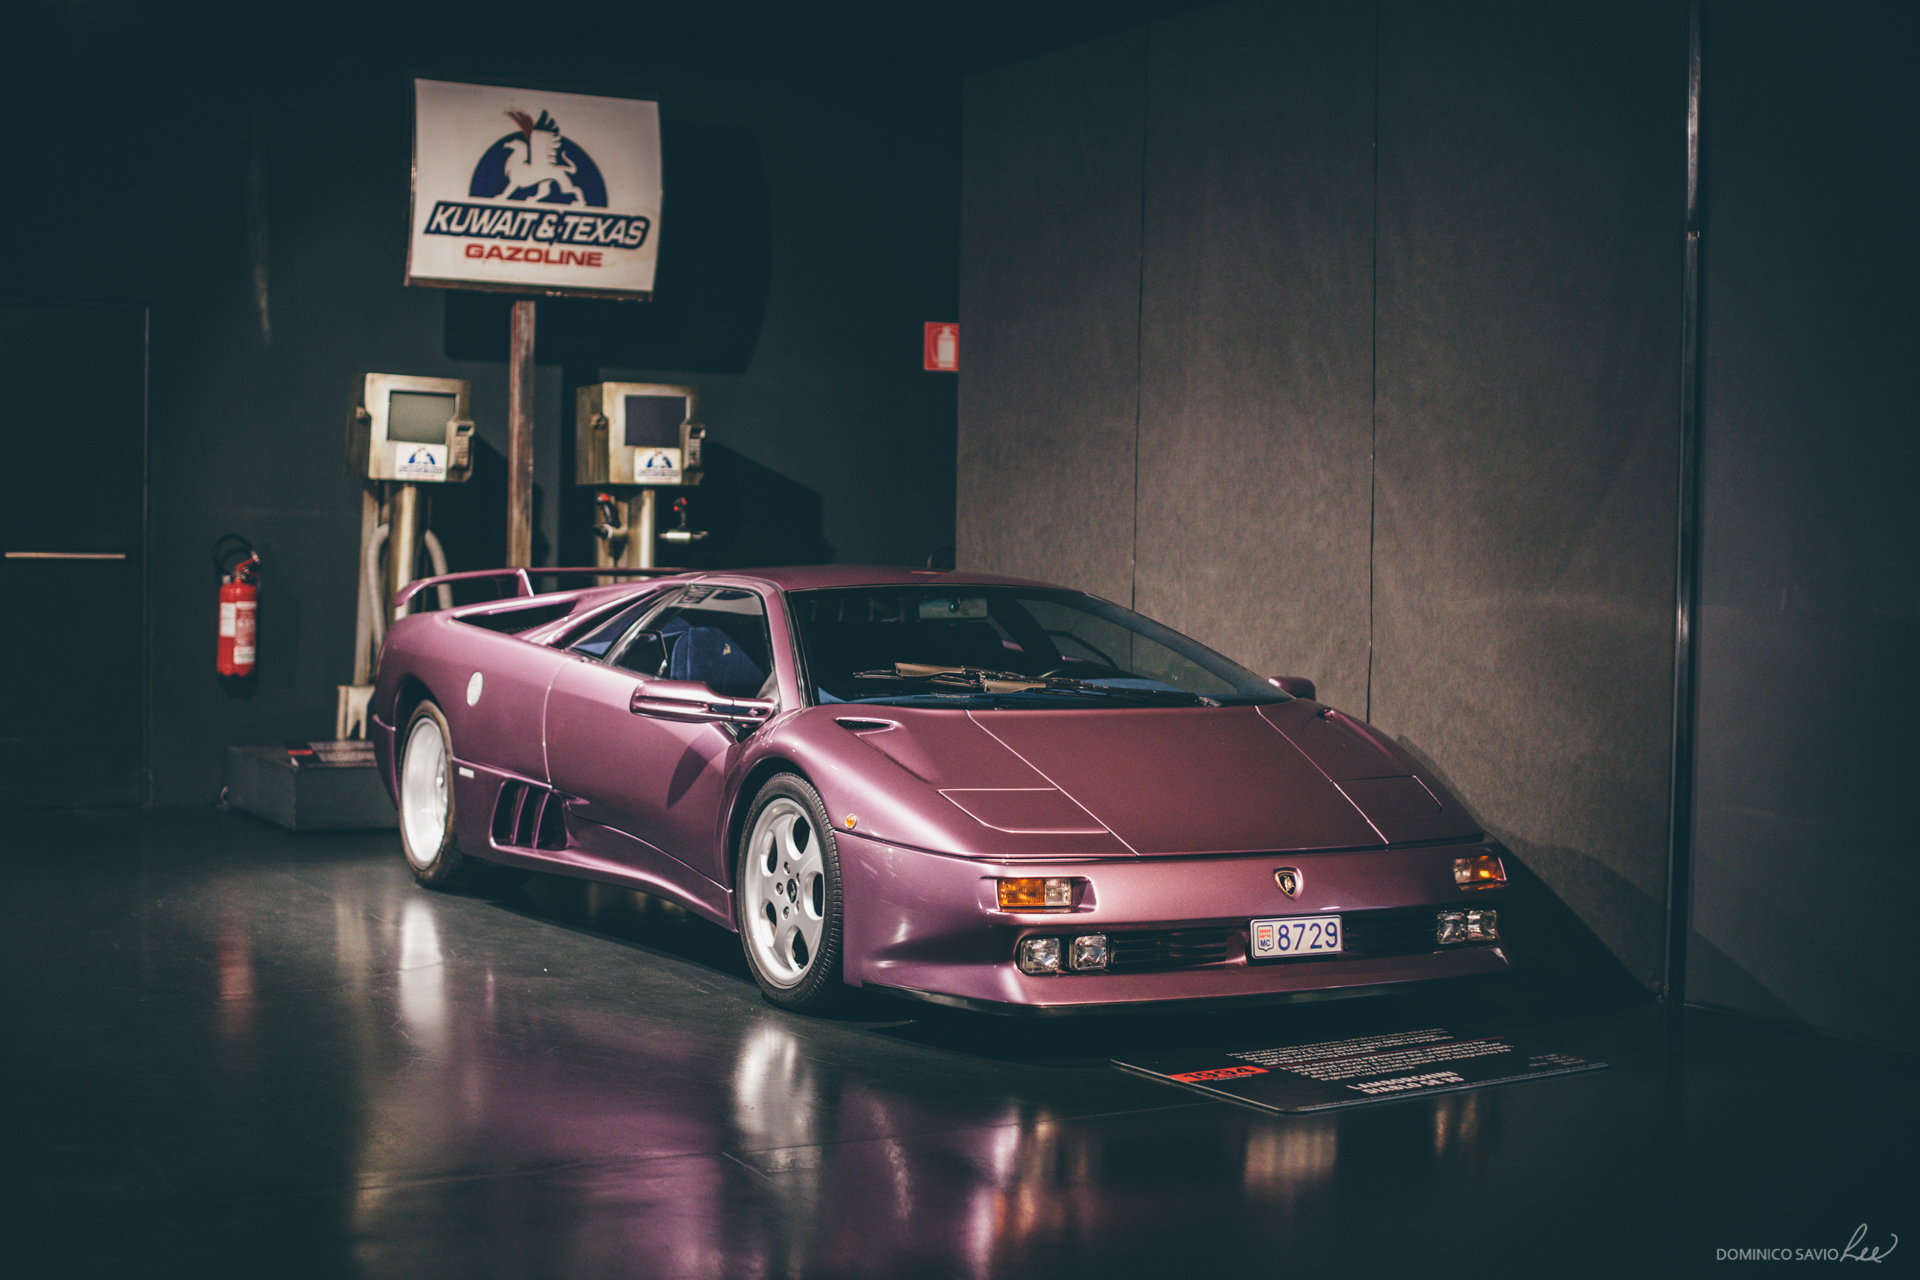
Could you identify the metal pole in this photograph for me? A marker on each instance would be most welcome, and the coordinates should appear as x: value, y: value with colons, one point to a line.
x: 520, y: 438
x: 402, y: 537
x: 1686, y: 558
x: 362, y: 617
x: 640, y: 517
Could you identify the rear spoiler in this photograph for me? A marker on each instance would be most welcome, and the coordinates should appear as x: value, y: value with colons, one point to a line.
x: 523, y: 579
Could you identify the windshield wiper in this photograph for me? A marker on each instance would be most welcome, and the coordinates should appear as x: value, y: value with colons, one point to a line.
x: 982, y: 680
x: 1060, y: 684
x: 976, y: 679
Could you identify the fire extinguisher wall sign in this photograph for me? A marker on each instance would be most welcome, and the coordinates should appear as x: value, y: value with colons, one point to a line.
x: 239, y: 604
x: 942, y: 348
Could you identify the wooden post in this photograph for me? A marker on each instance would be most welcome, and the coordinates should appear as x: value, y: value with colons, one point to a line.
x: 520, y: 438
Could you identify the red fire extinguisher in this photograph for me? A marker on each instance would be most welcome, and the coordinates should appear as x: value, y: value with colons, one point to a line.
x: 239, y: 603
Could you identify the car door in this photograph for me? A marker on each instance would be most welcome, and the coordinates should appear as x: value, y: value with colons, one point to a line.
x: 660, y: 781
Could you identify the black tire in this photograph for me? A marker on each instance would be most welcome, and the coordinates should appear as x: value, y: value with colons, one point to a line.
x: 424, y: 795
x: 786, y: 896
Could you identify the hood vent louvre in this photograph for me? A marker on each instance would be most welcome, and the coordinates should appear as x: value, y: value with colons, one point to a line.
x: 855, y: 725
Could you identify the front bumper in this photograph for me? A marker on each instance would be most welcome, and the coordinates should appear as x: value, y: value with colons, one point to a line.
x: 927, y: 926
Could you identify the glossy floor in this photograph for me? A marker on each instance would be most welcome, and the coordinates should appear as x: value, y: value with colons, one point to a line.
x: 233, y: 1051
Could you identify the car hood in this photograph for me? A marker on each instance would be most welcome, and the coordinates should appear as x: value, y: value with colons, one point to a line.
x: 1194, y: 780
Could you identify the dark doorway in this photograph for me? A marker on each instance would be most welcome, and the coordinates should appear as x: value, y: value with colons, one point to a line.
x: 73, y: 401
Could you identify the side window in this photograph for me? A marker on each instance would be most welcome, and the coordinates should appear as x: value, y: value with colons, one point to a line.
x: 714, y: 635
x: 598, y: 641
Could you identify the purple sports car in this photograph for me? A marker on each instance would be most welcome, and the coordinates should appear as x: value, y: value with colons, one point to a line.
x: 974, y: 790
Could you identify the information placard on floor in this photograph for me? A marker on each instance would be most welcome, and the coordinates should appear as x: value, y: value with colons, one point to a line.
x: 1350, y: 1073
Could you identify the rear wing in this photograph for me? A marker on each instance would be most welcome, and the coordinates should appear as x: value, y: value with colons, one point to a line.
x: 522, y: 579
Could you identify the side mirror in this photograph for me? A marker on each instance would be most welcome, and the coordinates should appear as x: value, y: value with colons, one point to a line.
x: 692, y: 701
x: 1298, y: 686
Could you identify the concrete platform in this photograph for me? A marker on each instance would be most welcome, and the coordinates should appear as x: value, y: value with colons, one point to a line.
x: 265, y: 782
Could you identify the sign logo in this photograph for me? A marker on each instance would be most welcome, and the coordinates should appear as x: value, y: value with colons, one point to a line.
x: 538, y: 163
x: 657, y: 466
x: 420, y: 462
x: 1288, y: 878
x: 534, y: 189
x: 537, y: 166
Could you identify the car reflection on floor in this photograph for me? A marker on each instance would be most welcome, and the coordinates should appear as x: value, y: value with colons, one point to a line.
x: 645, y: 1139
x: 240, y: 1051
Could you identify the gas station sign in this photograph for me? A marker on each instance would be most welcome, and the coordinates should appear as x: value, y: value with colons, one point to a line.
x: 531, y: 191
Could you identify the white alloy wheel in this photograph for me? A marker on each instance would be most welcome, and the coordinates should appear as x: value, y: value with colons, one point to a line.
x: 784, y: 880
x: 426, y: 802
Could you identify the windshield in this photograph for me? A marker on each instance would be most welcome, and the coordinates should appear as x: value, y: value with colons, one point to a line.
x: 1009, y: 647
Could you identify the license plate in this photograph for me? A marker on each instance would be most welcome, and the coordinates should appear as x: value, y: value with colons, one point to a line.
x: 1295, y: 936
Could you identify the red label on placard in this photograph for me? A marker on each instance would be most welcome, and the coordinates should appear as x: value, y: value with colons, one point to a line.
x: 943, y: 347
x: 1219, y: 1073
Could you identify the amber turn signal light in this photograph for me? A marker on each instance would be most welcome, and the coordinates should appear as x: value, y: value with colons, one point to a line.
x: 1031, y: 893
x: 1483, y: 872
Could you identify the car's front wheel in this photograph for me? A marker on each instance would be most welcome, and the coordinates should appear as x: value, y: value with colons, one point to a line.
x: 787, y: 896
x: 425, y: 798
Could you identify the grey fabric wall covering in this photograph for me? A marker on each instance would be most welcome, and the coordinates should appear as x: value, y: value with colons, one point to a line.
x: 1501, y: 312
x: 1532, y: 163
x: 1049, y: 316
x: 1255, y: 344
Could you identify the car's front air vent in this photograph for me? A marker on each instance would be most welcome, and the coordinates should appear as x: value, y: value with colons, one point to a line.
x: 1397, y: 931
x: 514, y: 621
x: 1146, y: 949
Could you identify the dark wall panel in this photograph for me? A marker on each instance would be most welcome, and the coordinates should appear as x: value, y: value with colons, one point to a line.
x: 1049, y: 317
x: 1809, y: 638
x: 261, y: 162
x: 1531, y: 183
x: 1256, y: 337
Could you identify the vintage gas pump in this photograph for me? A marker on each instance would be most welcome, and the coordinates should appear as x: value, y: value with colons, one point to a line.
x: 406, y: 433
x: 633, y: 439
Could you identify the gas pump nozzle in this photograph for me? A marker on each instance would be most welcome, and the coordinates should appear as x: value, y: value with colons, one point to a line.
x: 682, y: 533
x: 609, y: 509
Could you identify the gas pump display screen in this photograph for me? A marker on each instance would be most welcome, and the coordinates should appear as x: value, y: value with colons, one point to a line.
x: 419, y: 417
x: 653, y: 422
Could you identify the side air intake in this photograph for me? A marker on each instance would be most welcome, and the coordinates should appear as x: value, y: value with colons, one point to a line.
x: 528, y: 817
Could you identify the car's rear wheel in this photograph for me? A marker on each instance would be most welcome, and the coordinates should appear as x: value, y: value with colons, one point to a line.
x: 425, y: 798
x: 787, y: 896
